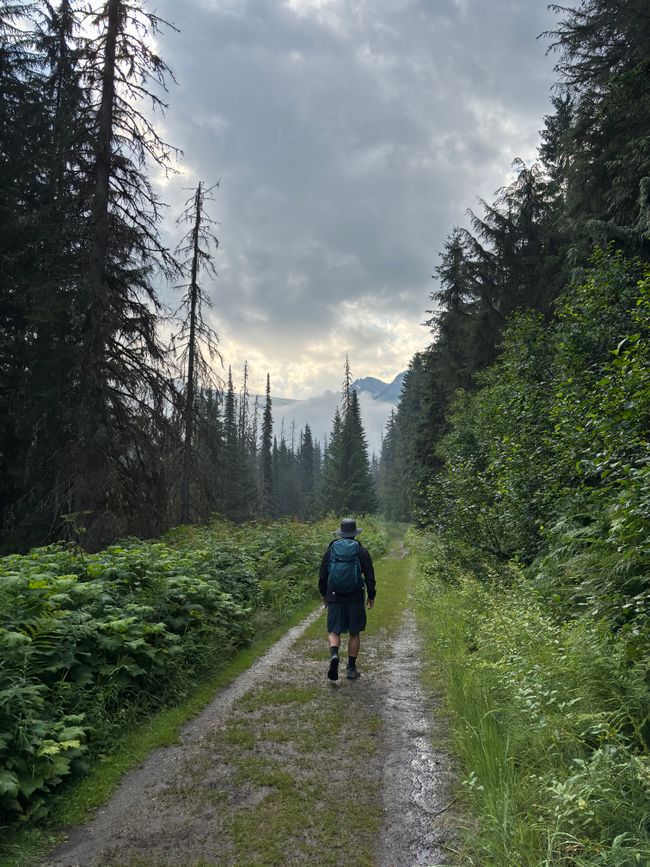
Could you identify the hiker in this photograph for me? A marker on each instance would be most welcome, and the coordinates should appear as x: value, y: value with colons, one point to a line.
x: 345, y: 566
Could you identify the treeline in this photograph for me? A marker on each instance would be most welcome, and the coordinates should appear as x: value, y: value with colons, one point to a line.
x: 589, y: 187
x: 249, y: 471
x: 90, y: 407
x: 111, y: 420
x: 521, y: 447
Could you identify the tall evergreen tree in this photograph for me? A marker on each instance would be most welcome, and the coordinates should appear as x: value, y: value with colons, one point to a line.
x: 307, y: 473
x: 604, y: 67
x: 267, y: 491
x: 331, y: 479
x: 231, y: 482
x: 209, y: 456
x: 121, y: 377
x: 45, y: 139
x: 22, y: 123
x: 346, y: 389
x: 358, y: 494
x: 347, y: 484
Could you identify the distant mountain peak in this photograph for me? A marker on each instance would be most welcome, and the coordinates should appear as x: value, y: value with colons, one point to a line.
x: 370, y: 384
x: 385, y: 391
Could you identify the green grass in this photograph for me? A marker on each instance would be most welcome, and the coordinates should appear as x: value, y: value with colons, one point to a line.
x: 537, y: 711
x: 302, y: 811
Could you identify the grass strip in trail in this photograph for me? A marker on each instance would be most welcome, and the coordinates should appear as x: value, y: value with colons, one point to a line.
x: 304, y: 752
x: 554, y: 773
x: 20, y: 846
x: 293, y: 774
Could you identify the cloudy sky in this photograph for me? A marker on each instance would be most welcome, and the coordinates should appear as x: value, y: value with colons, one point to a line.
x: 349, y: 137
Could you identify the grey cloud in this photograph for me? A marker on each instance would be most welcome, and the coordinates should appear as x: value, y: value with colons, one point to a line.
x: 349, y: 142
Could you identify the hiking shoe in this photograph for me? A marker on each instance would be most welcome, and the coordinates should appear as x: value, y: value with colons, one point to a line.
x: 351, y: 673
x: 333, y: 670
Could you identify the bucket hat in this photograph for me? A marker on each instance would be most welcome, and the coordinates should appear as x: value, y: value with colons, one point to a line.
x: 348, y: 529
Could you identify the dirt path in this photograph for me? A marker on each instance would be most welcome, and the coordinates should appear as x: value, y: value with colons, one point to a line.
x: 286, y: 768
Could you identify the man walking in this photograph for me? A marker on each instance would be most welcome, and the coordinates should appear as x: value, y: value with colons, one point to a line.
x: 345, y: 567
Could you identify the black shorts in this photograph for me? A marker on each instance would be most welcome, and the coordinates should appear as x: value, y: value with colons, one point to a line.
x: 346, y: 617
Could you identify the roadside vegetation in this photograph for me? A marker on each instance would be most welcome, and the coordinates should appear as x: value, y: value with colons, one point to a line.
x: 94, y: 643
x: 521, y: 450
x: 548, y: 717
x: 535, y: 577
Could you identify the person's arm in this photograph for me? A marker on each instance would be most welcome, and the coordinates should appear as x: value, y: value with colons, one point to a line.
x: 323, y: 574
x: 368, y: 571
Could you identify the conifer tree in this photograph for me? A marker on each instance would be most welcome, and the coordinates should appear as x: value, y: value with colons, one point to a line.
x: 358, y: 494
x: 23, y: 121
x: 318, y: 470
x: 123, y: 385
x: 45, y: 141
x: 247, y: 451
x: 285, y: 475
x: 330, y: 488
x: 267, y: 492
x: 347, y: 385
x: 347, y: 484
x: 307, y: 473
x: 209, y: 452
x: 231, y: 482
x: 604, y: 64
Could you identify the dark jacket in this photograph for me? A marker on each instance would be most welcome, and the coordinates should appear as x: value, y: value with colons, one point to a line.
x: 367, y: 570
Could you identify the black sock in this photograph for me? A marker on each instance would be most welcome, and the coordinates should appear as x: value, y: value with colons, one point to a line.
x: 334, y: 651
x: 352, y: 662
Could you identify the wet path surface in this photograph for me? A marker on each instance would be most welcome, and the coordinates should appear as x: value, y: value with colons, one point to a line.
x: 286, y: 768
x: 417, y: 778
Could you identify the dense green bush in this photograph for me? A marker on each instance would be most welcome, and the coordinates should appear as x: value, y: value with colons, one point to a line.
x: 550, y: 458
x: 89, y: 642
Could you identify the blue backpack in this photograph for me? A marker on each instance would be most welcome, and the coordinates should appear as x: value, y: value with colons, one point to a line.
x: 344, y: 569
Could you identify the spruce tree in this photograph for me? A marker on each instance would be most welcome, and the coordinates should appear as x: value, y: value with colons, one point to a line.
x: 604, y: 67
x: 347, y: 484
x: 22, y: 122
x: 45, y: 140
x: 123, y: 384
x: 307, y: 474
x: 331, y: 479
x: 267, y: 488
x: 231, y: 481
x: 209, y: 456
x: 357, y: 493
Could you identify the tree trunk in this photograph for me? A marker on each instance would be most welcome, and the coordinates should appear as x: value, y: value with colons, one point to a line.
x: 94, y: 453
x: 189, y: 396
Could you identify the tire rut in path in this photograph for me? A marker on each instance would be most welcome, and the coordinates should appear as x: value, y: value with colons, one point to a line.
x: 417, y: 777
x: 171, y: 810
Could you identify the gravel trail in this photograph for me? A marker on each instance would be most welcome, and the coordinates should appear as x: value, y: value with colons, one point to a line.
x: 285, y: 768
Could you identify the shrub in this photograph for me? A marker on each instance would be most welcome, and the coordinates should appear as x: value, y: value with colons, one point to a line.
x: 90, y: 642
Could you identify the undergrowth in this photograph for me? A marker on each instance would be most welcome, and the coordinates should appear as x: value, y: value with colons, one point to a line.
x: 92, y: 643
x: 549, y: 717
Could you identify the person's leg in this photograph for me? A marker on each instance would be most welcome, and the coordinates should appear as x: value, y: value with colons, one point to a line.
x: 334, y: 643
x: 354, y: 643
